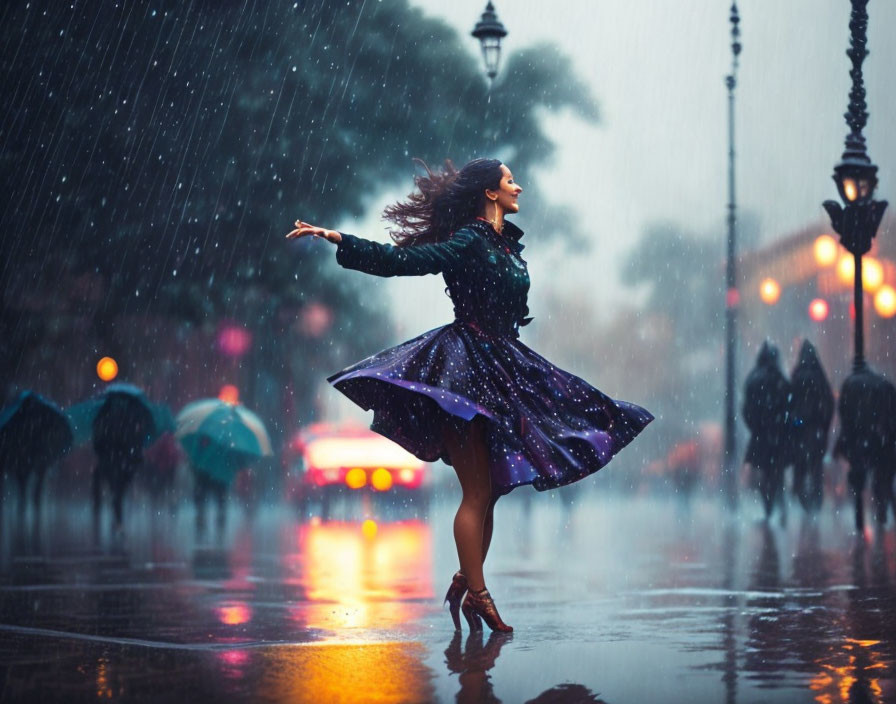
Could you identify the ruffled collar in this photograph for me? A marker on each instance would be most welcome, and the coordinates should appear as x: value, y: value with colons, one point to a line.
x: 510, y: 237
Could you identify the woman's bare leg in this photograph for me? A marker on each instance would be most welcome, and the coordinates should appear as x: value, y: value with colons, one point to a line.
x: 469, y: 455
x: 487, y: 527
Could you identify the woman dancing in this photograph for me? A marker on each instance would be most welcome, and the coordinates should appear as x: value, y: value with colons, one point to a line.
x: 470, y: 393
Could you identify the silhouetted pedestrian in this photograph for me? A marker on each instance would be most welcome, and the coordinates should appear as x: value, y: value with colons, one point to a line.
x: 766, y: 410
x: 205, y: 486
x: 812, y: 411
x: 120, y: 430
x: 867, y: 439
x: 34, y: 435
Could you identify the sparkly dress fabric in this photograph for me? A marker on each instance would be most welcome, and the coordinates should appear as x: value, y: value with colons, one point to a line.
x: 545, y: 426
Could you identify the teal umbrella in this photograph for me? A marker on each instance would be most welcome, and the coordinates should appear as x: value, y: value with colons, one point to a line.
x: 221, y: 438
x: 82, y: 415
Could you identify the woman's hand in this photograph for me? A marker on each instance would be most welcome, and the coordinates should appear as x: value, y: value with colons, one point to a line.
x: 304, y: 228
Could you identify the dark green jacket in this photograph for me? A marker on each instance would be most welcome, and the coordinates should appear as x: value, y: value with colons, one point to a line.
x: 487, y: 279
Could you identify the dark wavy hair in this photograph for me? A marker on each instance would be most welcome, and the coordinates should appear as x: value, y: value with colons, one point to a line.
x: 447, y: 200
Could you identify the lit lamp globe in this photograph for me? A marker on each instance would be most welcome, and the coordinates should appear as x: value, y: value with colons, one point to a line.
x: 818, y: 309
x: 825, y: 250
x: 107, y: 369
x: 769, y: 291
x: 885, y: 301
x: 856, y: 181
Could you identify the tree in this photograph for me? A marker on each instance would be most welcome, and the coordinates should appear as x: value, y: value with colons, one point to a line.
x: 154, y: 154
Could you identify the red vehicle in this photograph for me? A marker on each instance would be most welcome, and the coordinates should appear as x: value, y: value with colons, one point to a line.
x: 324, y: 459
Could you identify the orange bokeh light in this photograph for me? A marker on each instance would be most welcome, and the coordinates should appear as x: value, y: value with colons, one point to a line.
x: 381, y: 479
x: 355, y: 478
x: 818, y: 309
x: 229, y: 394
x: 825, y: 250
x: 846, y: 271
x: 107, y: 369
x: 885, y: 301
x: 872, y: 274
x: 769, y: 291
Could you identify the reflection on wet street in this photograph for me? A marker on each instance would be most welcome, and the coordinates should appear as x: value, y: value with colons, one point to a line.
x: 614, y: 599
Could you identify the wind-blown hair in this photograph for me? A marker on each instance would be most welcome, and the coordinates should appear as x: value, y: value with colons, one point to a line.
x: 447, y: 200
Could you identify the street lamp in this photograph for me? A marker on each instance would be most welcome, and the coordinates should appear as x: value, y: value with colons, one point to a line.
x: 856, y: 176
x: 865, y: 395
x: 731, y: 296
x: 489, y: 31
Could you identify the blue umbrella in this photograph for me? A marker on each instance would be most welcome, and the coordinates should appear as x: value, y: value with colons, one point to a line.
x: 82, y: 415
x: 35, y: 426
x: 221, y: 438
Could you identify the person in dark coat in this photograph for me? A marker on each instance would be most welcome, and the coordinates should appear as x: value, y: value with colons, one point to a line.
x: 470, y: 393
x: 120, y: 430
x: 867, y: 439
x: 812, y: 411
x: 766, y: 410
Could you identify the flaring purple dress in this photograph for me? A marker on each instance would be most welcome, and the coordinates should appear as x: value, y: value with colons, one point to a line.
x: 545, y: 426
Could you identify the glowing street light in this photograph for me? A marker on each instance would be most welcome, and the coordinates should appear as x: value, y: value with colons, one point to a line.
x: 846, y: 269
x: 825, y: 250
x: 229, y: 394
x: 857, y: 220
x: 885, y: 301
x: 107, y: 369
x: 818, y: 309
x: 872, y: 274
x: 769, y: 291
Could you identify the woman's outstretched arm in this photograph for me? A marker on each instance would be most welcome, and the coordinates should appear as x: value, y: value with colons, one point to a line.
x: 388, y: 260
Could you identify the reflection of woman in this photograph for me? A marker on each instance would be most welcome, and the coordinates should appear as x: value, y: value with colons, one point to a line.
x: 470, y: 393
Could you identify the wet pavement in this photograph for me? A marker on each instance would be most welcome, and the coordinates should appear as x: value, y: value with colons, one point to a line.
x: 614, y: 599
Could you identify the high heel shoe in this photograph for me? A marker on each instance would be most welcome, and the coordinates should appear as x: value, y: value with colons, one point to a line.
x: 480, y: 605
x: 455, y: 594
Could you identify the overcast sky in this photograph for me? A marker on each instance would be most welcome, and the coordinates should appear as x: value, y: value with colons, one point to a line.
x: 657, y: 69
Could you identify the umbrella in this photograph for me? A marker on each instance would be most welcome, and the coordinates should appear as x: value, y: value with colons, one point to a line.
x: 221, y: 438
x: 83, y: 414
x: 35, y: 426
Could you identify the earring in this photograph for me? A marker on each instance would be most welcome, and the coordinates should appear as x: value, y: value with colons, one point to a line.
x: 494, y: 220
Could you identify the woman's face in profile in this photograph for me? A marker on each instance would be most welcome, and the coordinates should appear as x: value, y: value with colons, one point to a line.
x: 508, y: 192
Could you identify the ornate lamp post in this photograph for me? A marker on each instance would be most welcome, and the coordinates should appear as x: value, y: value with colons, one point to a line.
x: 732, y: 295
x: 489, y: 31
x: 865, y: 397
x: 856, y: 177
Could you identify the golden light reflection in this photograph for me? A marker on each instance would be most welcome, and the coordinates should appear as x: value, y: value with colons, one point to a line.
x: 103, y: 688
x: 234, y: 614
x: 835, y: 682
x: 384, y: 673
x: 368, y: 529
x: 825, y: 250
x: 850, y: 190
x: 355, y: 581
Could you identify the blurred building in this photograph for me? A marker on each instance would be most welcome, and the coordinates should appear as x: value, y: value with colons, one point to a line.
x: 801, y: 286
